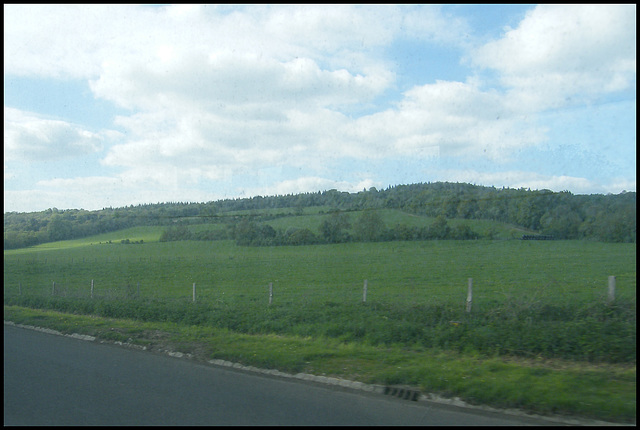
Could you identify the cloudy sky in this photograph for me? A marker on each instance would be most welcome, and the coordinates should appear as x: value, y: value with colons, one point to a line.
x: 119, y: 105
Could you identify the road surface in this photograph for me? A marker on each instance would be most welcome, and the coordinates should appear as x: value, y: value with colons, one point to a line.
x: 58, y: 380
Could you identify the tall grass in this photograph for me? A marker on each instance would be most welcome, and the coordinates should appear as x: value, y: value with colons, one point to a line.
x: 596, y: 332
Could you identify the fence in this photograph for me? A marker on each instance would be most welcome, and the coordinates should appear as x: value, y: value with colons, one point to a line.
x: 58, y: 289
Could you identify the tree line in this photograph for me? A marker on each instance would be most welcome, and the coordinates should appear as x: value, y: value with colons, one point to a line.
x: 609, y: 218
x: 335, y: 228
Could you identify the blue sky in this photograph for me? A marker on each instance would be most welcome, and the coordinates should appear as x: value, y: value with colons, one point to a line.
x: 117, y: 105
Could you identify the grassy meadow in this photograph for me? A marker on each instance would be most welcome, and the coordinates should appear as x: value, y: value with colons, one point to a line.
x: 398, y: 273
x: 540, y: 335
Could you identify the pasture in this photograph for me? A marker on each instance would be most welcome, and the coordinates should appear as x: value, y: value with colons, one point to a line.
x: 550, y: 289
x: 425, y: 272
x: 544, y: 302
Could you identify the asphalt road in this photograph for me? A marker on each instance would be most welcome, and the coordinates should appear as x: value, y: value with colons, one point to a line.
x: 57, y: 380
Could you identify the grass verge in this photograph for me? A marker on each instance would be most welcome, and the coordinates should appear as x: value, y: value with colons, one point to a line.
x: 598, y: 391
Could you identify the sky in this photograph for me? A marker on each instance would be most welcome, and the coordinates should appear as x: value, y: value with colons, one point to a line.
x: 118, y: 105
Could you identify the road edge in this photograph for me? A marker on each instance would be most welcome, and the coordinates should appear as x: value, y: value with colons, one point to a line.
x: 335, y: 382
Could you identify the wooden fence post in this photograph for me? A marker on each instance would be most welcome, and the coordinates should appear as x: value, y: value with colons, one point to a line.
x: 364, y: 292
x: 19, y: 288
x: 469, y: 294
x: 194, y: 292
x: 92, y: 288
x: 612, y: 289
x: 53, y: 288
x: 270, y: 292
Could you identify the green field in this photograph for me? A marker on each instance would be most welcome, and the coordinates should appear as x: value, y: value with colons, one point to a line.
x: 425, y: 272
x: 532, y: 300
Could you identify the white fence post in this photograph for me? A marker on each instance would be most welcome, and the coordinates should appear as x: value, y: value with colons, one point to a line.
x: 469, y: 294
x: 364, y: 292
x: 612, y: 289
x: 270, y: 292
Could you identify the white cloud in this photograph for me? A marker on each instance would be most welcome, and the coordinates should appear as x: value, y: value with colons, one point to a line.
x: 330, y: 28
x: 226, y: 91
x: 213, y: 81
x: 536, y: 181
x: 212, y: 146
x: 87, y: 182
x: 77, y: 40
x: 68, y: 41
x: 96, y: 192
x: 310, y: 184
x: 446, y: 119
x: 28, y: 136
x: 560, y: 53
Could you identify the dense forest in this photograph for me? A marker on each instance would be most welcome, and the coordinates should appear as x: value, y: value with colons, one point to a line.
x: 609, y: 218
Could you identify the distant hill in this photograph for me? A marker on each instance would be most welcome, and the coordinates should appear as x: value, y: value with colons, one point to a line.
x: 562, y: 215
